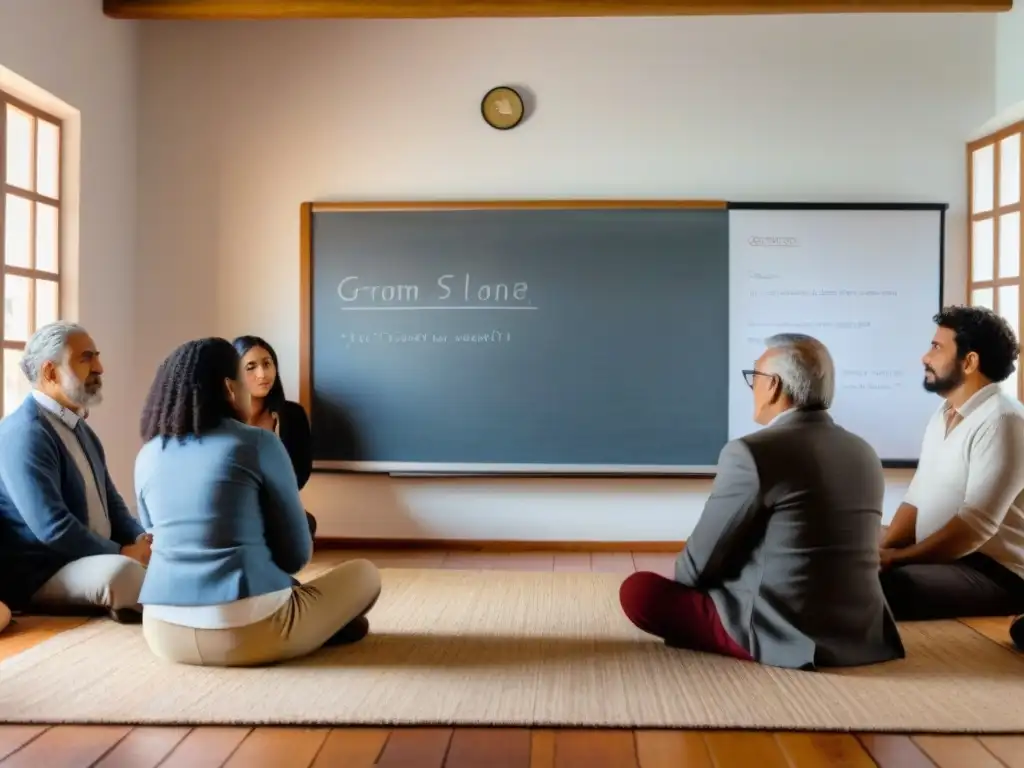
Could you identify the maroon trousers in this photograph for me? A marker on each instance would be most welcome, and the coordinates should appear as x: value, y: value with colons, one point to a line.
x: 682, y: 617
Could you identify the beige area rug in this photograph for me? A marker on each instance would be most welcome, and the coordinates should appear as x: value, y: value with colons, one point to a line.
x: 513, y: 648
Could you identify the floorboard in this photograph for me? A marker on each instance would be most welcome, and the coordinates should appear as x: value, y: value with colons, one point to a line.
x: 672, y: 749
x: 209, y: 747
x: 416, y: 748
x: 351, y: 748
x: 214, y: 747
x: 895, y: 751
x: 745, y: 748
x: 68, y: 746
x: 15, y: 737
x: 143, y: 748
x: 811, y: 750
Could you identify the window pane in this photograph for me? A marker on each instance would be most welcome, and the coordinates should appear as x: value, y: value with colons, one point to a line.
x: 48, y: 159
x: 982, y: 256
x: 1009, y: 306
x: 19, y: 147
x: 1009, y: 245
x: 983, y: 178
x: 48, y: 310
x: 18, y: 232
x: 1009, y: 170
x: 46, y: 237
x: 16, y: 386
x: 16, y: 293
x: 982, y: 297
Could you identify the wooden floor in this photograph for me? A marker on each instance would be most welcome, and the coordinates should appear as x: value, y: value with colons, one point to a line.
x: 80, y: 746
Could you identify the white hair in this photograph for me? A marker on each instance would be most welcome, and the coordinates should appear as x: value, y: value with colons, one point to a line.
x: 48, y: 345
x: 805, y: 368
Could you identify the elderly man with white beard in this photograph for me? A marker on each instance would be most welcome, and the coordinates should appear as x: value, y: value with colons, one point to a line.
x: 68, y: 542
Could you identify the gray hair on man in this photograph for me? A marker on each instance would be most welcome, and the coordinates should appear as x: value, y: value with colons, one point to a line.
x: 47, y: 345
x: 804, y: 366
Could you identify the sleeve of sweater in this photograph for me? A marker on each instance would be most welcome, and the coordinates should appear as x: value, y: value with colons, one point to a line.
x: 30, y: 472
x: 284, y: 517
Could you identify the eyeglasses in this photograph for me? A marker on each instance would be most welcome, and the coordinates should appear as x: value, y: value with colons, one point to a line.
x: 749, y: 374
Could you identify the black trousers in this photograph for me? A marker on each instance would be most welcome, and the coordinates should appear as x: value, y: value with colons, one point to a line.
x: 975, y: 585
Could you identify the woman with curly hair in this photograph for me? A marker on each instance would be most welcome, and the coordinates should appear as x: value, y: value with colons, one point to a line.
x: 222, y: 502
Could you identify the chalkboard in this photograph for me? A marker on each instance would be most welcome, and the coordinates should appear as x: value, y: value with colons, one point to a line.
x: 519, y: 339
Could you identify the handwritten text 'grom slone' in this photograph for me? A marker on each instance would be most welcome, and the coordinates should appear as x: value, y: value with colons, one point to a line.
x: 449, y: 292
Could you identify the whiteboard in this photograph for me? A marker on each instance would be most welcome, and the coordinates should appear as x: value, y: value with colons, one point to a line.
x: 867, y: 282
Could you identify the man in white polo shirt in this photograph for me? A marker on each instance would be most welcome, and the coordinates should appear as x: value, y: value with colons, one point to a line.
x: 956, y: 545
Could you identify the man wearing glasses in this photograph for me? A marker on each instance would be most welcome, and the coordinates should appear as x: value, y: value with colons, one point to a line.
x: 782, y: 567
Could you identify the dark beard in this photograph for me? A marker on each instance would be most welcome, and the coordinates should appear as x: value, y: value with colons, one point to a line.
x: 943, y: 385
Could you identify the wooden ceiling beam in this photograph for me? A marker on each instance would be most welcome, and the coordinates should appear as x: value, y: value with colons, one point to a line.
x: 211, y: 10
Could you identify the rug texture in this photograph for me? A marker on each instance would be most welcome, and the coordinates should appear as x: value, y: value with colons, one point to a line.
x: 522, y: 649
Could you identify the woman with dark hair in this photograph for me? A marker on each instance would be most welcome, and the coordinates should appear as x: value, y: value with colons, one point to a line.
x: 229, y: 531
x: 272, y: 411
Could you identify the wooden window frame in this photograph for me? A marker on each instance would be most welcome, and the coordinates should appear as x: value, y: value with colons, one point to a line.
x: 33, y: 196
x: 994, y: 140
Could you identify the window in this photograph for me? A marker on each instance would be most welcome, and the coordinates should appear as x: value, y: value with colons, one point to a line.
x: 995, y: 171
x: 30, y: 235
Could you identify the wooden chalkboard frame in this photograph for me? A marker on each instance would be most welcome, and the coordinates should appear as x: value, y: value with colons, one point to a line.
x: 306, y: 265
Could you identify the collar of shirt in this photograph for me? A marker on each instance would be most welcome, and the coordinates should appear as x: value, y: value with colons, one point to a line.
x: 778, y: 416
x: 69, y: 418
x: 974, y: 401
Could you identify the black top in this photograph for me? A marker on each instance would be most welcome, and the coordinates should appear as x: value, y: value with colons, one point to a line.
x: 293, y: 429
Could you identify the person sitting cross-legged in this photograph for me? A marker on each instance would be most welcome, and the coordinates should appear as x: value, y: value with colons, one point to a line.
x: 782, y: 567
x: 68, y: 543
x: 229, y: 529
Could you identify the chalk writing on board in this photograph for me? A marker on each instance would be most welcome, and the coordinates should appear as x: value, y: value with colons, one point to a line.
x: 449, y: 292
x: 402, y: 339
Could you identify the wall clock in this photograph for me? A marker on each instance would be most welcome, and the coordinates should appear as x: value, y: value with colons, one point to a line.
x: 502, y: 108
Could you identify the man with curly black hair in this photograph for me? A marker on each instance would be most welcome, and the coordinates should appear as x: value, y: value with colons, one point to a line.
x: 956, y: 545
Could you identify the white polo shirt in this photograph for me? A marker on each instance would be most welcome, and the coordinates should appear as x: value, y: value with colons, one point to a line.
x: 976, y: 472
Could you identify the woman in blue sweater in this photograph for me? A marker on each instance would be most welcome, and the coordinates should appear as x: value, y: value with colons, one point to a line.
x: 222, y: 502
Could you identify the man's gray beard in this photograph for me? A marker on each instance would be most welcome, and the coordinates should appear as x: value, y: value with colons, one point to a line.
x: 74, y: 390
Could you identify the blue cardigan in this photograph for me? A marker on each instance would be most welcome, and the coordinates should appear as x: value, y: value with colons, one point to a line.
x: 225, y: 514
x: 43, y: 509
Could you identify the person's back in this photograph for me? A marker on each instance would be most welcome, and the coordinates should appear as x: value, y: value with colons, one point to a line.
x: 809, y: 590
x: 782, y: 567
x: 200, y: 494
x: 230, y: 530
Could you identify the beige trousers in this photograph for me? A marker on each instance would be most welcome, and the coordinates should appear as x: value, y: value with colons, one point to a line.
x: 316, y: 611
x: 99, y: 581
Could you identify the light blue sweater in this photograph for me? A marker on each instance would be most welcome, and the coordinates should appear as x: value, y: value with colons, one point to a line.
x: 225, y: 514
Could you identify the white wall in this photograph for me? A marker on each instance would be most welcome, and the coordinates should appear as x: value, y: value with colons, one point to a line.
x: 240, y: 122
x: 66, y: 56
x: 1010, y: 58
